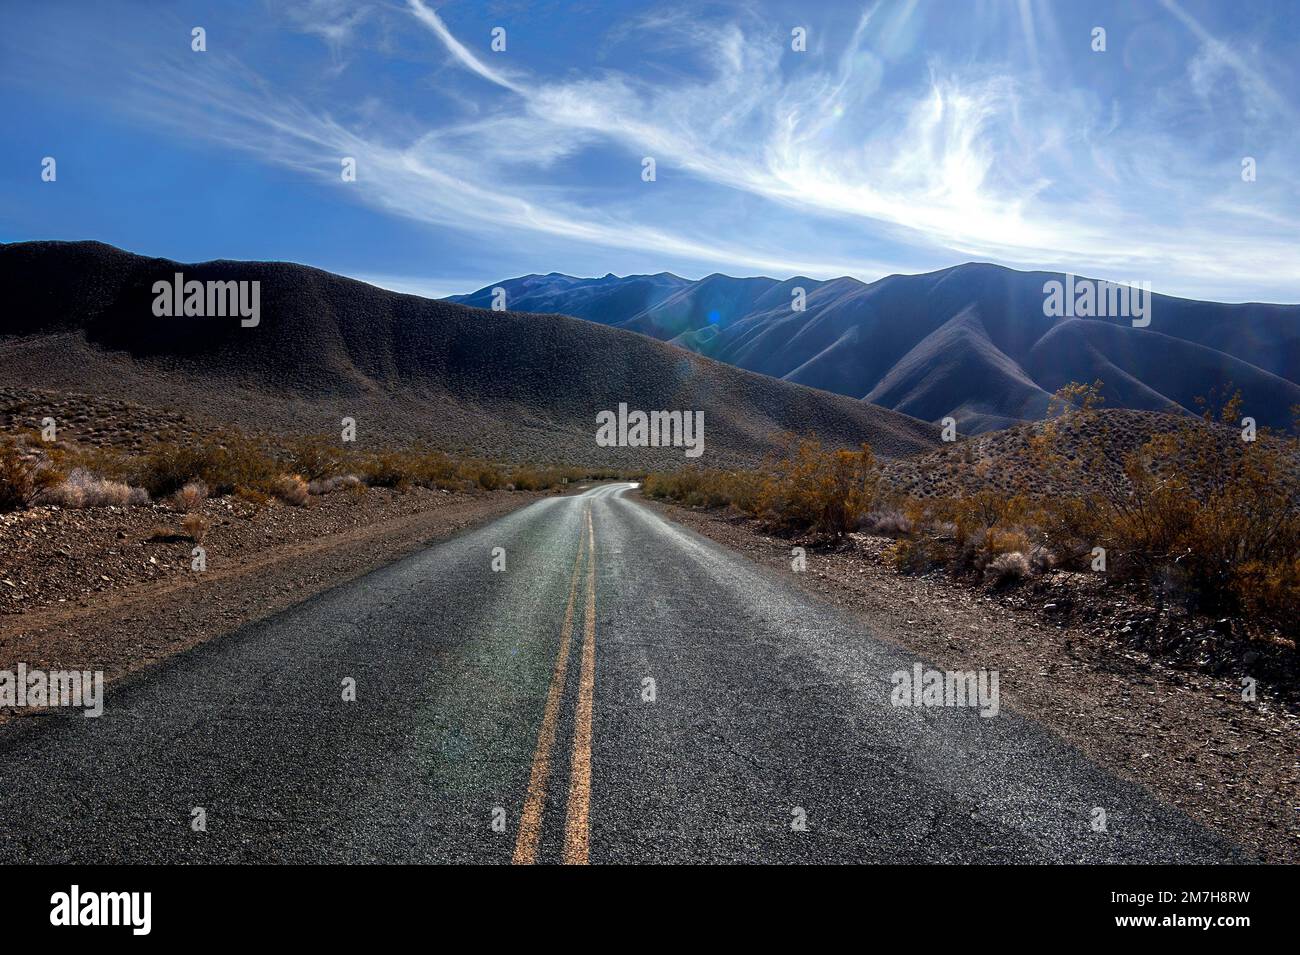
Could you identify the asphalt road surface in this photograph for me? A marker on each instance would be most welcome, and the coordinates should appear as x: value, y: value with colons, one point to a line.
x: 506, y: 715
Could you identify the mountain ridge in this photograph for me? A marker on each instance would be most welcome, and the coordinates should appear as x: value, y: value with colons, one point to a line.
x: 852, y: 336
x: 506, y: 385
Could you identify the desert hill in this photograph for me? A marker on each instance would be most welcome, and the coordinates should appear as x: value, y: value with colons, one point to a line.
x: 79, y: 319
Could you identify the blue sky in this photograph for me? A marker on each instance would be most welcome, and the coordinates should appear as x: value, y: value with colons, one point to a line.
x: 909, y: 136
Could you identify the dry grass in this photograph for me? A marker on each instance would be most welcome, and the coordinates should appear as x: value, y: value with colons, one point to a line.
x: 224, y: 463
x: 190, y: 497
x: 328, y: 485
x: 291, y: 489
x: 316, y: 458
x: 195, y: 527
x: 1007, y: 568
x: 1193, y: 514
x: 1207, y: 522
x: 403, y: 469
x: 805, y: 488
x: 254, y: 469
x: 23, y: 476
x: 703, y: 488
x: 83, y: 489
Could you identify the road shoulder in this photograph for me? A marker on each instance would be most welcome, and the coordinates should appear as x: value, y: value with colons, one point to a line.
x: 98, y: 589
x: 1185, y: 736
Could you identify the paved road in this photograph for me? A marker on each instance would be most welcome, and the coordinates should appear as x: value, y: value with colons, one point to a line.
x: 518, y: 696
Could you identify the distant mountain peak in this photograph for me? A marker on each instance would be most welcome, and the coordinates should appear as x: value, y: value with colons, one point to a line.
x: 993, y: 366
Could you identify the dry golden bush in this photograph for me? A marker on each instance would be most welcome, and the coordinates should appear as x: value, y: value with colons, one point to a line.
x: 403, y: 469
x: 1213, y: 519
x: 225, y: 463
x: 810, y: 488
x: 805, y: 488
x: 316, y: 457
x: 83, y: 489
x: 195, y: 527
x: 707, y: 488
x: 253, y: 496
x: 291, y: 489
x: 191, y: 496
x: 1204, y: 517
x: 23, y: 476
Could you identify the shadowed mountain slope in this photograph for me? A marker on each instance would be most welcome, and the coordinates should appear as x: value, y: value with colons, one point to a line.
x: 79, y: 318
x: 894, y: 342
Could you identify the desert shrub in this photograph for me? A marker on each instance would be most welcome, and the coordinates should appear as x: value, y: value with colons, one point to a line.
x: 539, y: 479
x: 435, y: 469
x: 387, y: 469
x: 531, y: 479
x: 918, y: 555
x: 316, y: 457
x: 168, y: 467
x: 969, y: 532
x: 1271, y: 590
x: 1041, y: 559
x: 669, y: 486
x: 23, y: 476
x: 105, y: 462
x: 994, y: 543
x: 983, y: 512
x: 1200, y: 516
x: 806, y: 488
x: 887, y: 522
x: 245, y: 463
x: 225, y: 463
x: 694, y: 487
x: 191, y: 496
x: 195, y: 527
x: 1236, y: 547
x: 83, y: 489
x: 403, y: 469
x: 343, y: 482
x: 1067, y: 527
x: 1006, y: 568
x: 744, y: 489
x: 810, y: 488
x: 488, y: 477
x: 253, y: 496
x: 291, y: 489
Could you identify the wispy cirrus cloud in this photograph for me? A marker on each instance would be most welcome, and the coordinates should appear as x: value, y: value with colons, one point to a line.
x: 902, y: 139
x: 980, y: 162
x: 429, y: 180
x: 458, y: 49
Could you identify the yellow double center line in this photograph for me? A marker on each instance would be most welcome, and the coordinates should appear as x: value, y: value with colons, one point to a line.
x: 576, y: 825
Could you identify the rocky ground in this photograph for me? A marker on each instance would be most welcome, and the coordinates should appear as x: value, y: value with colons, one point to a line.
x: 96, y: 422
x: 113, y: 589
x: 1154, y: 700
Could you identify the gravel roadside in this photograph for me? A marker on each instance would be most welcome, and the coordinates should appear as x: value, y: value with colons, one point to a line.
x: 113, y: 589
